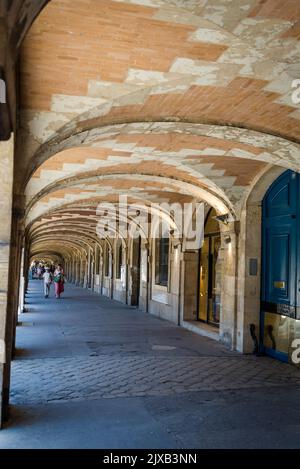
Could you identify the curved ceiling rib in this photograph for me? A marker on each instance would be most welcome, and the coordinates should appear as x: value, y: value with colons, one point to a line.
x: 161, y: 100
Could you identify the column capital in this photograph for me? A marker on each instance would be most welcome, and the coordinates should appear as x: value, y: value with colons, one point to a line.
x: 232, y: 227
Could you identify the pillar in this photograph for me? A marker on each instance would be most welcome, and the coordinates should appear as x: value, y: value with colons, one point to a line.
x: 15, y: 264
x: 83, y: 265
x: 6, y: 323
x: 22, y: 285
x: 144, y: 274
x: 77, y: 278
x: 228, y: 256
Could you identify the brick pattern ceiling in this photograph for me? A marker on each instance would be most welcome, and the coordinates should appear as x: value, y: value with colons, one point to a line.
x: 158, y: 99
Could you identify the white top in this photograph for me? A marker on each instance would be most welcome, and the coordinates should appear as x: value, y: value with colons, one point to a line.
x: 47, y: 277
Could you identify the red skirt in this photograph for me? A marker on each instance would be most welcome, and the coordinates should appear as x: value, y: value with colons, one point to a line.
x: 59, y: 288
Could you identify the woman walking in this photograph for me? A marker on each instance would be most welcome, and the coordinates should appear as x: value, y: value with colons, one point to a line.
x: 39, y: 272
x: 59, y: 281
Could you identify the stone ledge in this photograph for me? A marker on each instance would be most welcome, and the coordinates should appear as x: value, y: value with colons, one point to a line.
x: 202, y: 329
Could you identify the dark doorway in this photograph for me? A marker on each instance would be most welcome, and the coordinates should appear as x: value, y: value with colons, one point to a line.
x: 136, y: 271
x: 209, y: 274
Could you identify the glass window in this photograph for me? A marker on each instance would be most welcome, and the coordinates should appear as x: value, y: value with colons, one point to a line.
x: 97, y: 260
x: 106, y: 262
x: 162, y: 261
x: 119, y: 260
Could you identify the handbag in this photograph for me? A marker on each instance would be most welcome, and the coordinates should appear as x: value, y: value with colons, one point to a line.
x: 57, y: 278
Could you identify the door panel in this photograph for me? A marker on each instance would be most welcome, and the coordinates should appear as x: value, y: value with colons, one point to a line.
x: 279, y: 264
x: 280, y: 274
x: 281, y: 199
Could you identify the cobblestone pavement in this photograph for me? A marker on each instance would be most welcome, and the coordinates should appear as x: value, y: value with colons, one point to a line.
x: 87, y: 347
x: 84, y: 378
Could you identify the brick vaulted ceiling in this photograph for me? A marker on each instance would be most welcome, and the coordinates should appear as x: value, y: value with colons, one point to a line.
x: 158, y: 99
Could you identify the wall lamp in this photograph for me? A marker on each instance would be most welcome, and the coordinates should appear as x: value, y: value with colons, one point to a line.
x: 227, y: 239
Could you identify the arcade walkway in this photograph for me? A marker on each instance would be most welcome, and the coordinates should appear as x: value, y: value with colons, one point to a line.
x: 92, y: 373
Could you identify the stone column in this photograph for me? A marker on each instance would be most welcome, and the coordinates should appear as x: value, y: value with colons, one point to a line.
x: 249, y: 277
x: 77, y: 278
x: 96, y: 272
x: 228, y: 257
x: 66, y: 269
x: 74, y: 270
x: 111, y: 272
x: 101, y: 270
x: 176, y: 278
x: 81, y: 271
x: 15, y: 264
x: 150, y: 273
x: 70, y: 269
x: 7, y: 77
x: 69, y: 264
x: 133, y: 271
x: 144, y: 281
x: 6, y: 319
x: 84, y: 271
x: 88, y: 269
x: 92, y: 271
x: 22, y: 285
x: 26, y: 266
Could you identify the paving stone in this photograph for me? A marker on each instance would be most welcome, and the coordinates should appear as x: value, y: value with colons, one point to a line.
x: 74, y: 375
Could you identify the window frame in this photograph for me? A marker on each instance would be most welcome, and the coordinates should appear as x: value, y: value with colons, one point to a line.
x: 158, y: 282
x: 119, y: 260
x: 106, y: 261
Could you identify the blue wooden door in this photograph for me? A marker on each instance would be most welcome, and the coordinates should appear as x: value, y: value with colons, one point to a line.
x: 279, y: 264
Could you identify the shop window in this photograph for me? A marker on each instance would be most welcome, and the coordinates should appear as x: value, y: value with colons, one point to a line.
x: 162, y: 261
x: 106, y: 262
x: 119, y: 259
x: 210, y: 273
